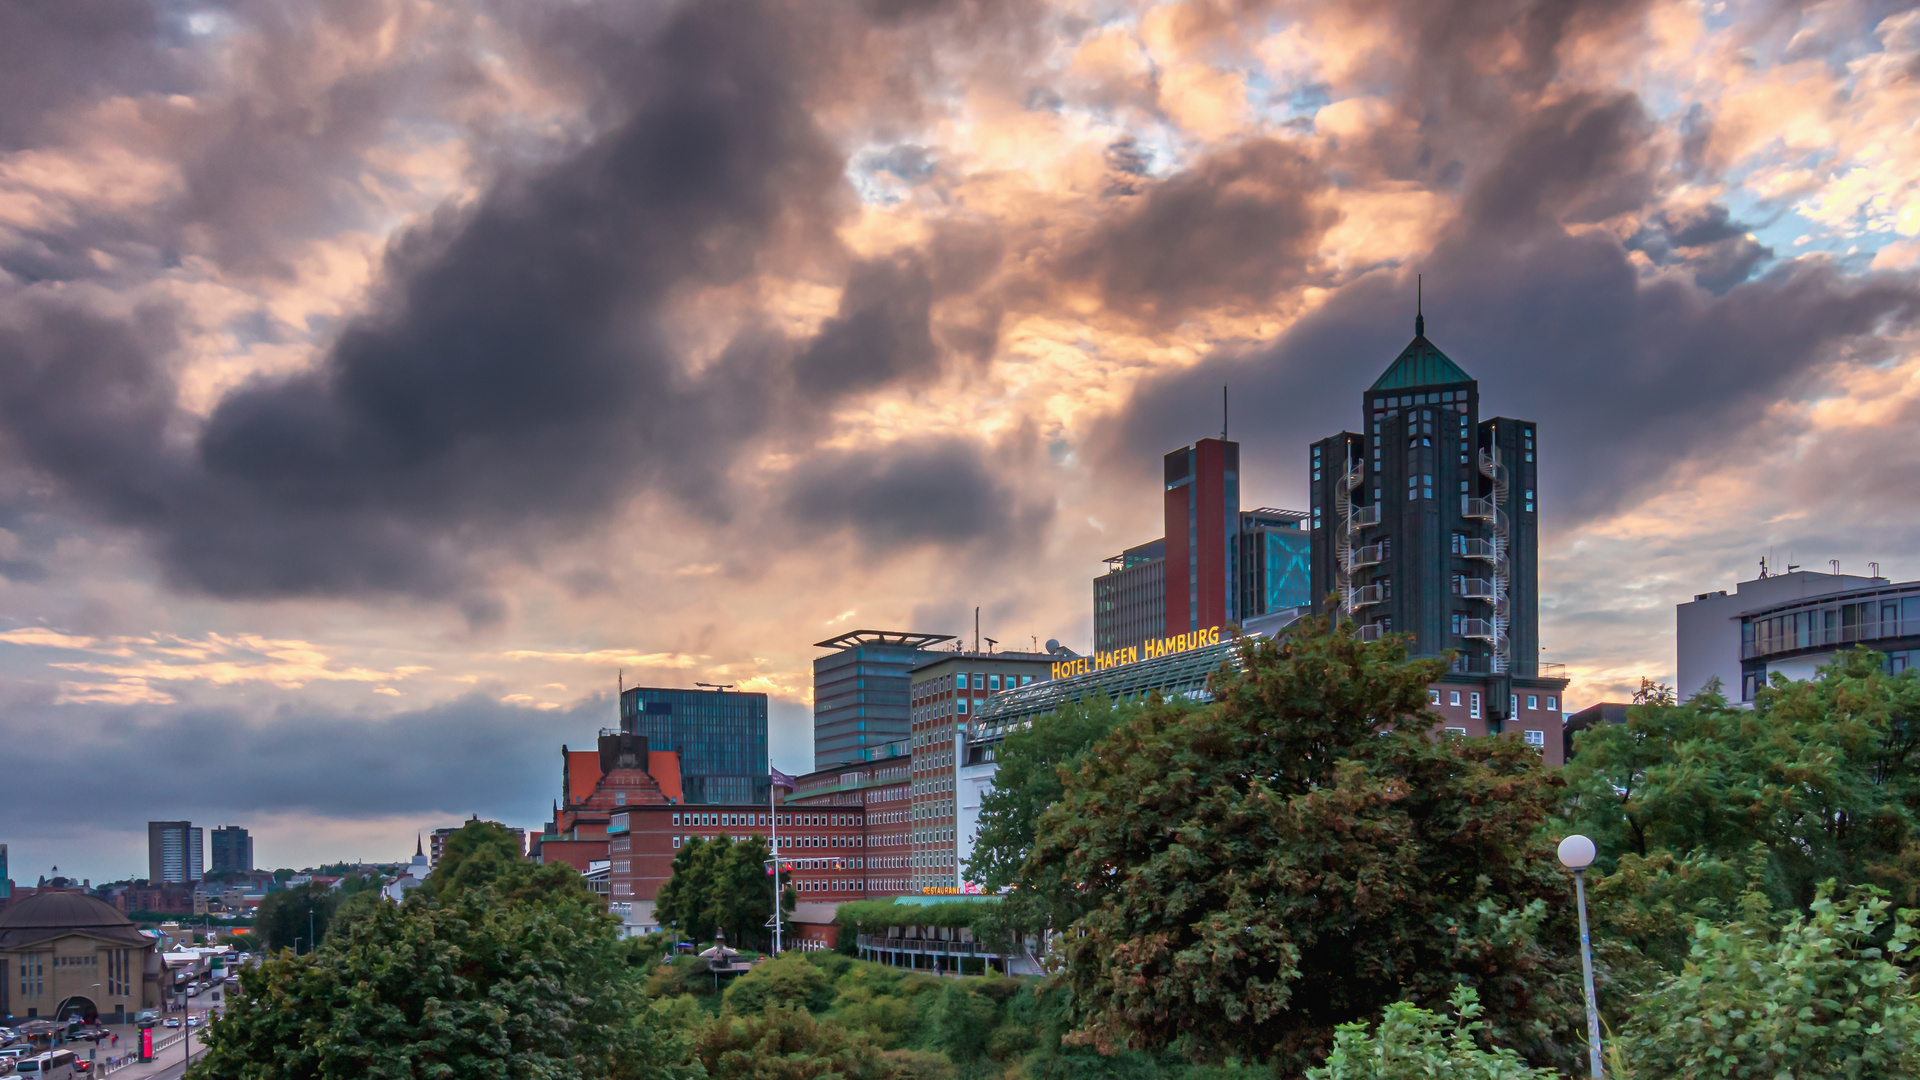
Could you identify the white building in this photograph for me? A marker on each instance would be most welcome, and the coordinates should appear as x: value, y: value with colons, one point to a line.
x: 1791, y: 624
x: 414, y: 876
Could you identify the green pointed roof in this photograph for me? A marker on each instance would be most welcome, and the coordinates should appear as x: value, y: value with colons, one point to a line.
x: 1420, y: 364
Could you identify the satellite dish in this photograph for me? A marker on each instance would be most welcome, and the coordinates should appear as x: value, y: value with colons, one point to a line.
x: 1053, y: 644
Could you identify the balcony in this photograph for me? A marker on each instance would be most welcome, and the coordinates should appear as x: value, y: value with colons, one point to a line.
x: 1481, y: 509
x: 1364, y: 517
x: 1474, y: 588
x: 1477, y: 628
x: 1372, y: 632
x: 1473, y: 547
x: 1371, y: 555
x: 1553, y: 671
x: 1764, y: 643
x: 1367, y: 594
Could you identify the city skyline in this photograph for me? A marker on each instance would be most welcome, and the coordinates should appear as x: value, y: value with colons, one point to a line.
x: 319, y: 513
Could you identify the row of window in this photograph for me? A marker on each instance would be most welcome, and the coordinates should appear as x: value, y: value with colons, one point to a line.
x: 724, y: 820
x: 1473, y: 705
x: 1534, y: 738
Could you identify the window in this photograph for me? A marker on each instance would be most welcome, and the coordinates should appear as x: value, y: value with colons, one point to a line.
x: 1536, y: 739
x: 1513, y: 704
x: 1553, y: 703
x: 1453, y: 697
x: 993, y: 682
x: 963, y: 705
x: 1533, y: 701
x: 676, y: 843
x: 676, y: 819
x: 1433, y: 697
x: 1473, y: 705
x: 1456, y: 733
x: 980, y: 681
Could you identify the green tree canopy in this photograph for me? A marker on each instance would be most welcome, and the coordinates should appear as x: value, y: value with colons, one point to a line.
x: 470, y: 988
x: 721, y: 884
x: 1254, y: 873
x: 1414, y: 1044
x: 303, y: 912
x: 475, y: 854
x: 1818, y: 780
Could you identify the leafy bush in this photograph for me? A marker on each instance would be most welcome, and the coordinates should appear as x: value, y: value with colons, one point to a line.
x: 1414, y: 1044
x: 1819, y: 996
x: 789, y: 982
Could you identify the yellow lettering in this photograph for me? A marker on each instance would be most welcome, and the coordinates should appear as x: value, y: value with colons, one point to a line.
x: 1213, y: 636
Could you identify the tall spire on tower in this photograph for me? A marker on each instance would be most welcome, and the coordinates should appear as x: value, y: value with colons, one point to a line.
x: 1419, y: 316
x: 417, y: 849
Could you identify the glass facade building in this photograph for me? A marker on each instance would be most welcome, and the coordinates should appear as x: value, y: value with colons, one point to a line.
x: 861, y: 695
x: 1275, y: 552
x: 720, y: 735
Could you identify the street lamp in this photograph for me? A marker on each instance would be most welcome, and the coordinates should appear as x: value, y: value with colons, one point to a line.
x: 1576, y: 854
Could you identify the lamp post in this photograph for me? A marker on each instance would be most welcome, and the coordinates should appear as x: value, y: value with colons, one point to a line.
x: 1576, y: 854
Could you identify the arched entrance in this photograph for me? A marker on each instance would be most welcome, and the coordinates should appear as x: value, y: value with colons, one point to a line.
x: 78, y: 1006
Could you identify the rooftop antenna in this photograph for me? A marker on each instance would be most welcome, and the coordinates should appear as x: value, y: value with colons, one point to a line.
x: 976, y: 629
x: 1419, y: 306
x: 1873, y: 569
x: 1835, y: 563
x: 1763, y: 566
x: 1223, y: 412
x: 990, y: 644
x: 716, y: 686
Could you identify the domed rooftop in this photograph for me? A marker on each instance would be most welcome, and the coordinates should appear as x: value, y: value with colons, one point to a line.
x: 48, y: 915
x: 60, y: 911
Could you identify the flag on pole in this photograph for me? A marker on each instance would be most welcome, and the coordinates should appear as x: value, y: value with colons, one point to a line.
x: 781, y: 779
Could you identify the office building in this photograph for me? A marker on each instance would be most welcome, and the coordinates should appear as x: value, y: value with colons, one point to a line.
x: 1130, y: 599
x: 719, y: 735
x: 1214, y: 566
x: 1275, y: 554
x: 1426, y: 523
x: 1791, y: 624
x: 860, y: 693
x: 6, y: 883
x: 842, y: 834
x: 1202, y: 517
x: 232, y: 849
x: 948, y: 689
x: 174, y: 853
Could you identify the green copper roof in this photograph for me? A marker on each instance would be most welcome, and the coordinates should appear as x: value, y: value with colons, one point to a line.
x: 1420, y: 364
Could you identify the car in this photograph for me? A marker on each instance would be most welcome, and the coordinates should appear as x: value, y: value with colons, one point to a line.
x: 172, y: 1021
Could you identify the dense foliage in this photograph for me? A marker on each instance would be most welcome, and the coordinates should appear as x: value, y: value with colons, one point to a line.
x: 471, y: 984
x: 295, y: 918
x: 1821, y: 995
x: 722, y: 884
x: 1414, y: 1044
x: 1254, y: 873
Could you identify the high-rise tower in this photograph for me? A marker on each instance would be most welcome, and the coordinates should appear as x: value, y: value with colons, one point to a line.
x: 1426, y: 523
x: 1202, y: 520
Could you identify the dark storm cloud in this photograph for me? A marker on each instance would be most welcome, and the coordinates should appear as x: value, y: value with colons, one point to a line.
x: 932, y: 491
x: 512, y: 383
x: 468, y: 755
x: 879, y: 336
x: 1235, y: 228
x: 1708, y: 242
x: 1626, y: 374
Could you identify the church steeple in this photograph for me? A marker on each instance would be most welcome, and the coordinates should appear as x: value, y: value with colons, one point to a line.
x: 1419, y: 316
x: 417, y: 849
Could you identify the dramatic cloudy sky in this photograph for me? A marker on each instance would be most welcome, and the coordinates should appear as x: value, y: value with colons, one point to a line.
x: 378, y: 378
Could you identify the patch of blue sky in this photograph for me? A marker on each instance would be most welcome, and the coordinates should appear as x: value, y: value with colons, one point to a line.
x: 1285, y: 104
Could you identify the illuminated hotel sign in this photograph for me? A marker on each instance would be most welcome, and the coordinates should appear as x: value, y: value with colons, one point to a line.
x: 1133, y: 654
